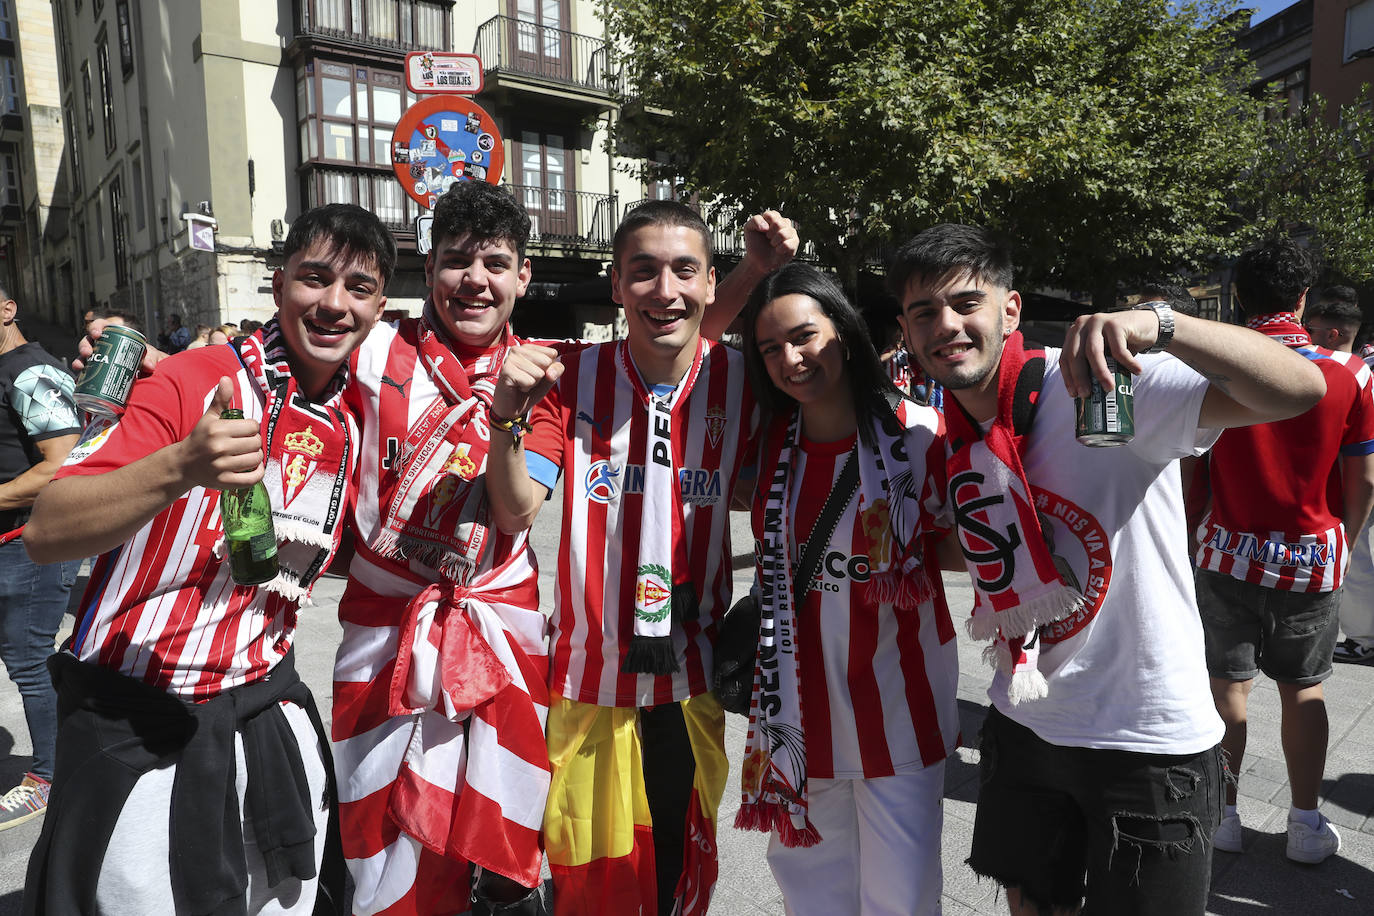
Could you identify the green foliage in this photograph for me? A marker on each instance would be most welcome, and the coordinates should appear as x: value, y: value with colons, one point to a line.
x: 1110, y: 138
x: 1311, y: 172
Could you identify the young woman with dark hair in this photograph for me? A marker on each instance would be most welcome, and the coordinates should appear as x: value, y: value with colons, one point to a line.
x: 853, y: 710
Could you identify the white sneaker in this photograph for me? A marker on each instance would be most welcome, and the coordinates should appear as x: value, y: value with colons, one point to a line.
x: 1228, y: 835
x: 1312, y: 846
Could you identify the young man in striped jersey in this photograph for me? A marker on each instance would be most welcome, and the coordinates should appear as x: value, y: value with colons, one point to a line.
x: 438, y: 775
x: 192, y: 769
x: 650, y: 435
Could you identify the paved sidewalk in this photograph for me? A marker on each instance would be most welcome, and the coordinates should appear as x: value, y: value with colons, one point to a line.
x: 1260, y: 881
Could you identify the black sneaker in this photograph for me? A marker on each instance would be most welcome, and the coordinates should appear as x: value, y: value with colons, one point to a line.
x: 1351, y: 650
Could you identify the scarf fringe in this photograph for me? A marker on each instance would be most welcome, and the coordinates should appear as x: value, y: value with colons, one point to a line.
x: 1056, y: 603
x: 766, y: 816
x: 302, y: 534
x: 651, y: 655
x: 1027, y: 685
x: 288, y: 587
x: 392, y: 545
x: 906, y: 590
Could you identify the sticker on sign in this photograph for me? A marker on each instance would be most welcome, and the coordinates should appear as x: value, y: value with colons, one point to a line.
x: 443, y: 71
x: 423, y: 225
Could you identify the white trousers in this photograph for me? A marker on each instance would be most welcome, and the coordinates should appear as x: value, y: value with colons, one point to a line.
x: 1357, y: 591
x: 135, y: 878
x: 879, y: 853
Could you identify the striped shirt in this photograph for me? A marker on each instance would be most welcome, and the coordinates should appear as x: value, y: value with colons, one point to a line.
x: 1277, y: 493
x: 406, y: 775
x: 162, y: 607
x: 878, y: 684
x: 593, y: 427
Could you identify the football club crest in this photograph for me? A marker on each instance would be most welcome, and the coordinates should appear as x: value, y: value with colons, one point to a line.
x: 715, y: 424
x: 303, y: 450
x: 653, y: 588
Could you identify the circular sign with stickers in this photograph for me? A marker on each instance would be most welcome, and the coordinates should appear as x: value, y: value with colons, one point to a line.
x: 443, y: 140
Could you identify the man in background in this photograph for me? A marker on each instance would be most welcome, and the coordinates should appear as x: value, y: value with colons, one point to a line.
x: 39, y: 424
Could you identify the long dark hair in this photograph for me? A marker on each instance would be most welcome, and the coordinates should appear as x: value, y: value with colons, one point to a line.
x: 873, y: 391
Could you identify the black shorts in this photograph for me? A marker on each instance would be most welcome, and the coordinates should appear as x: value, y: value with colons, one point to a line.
x: 1249, y: 628
x: 1130, y: 832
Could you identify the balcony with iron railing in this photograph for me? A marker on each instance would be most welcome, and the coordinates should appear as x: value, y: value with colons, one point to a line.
x: 569, y: 219
x: 525, y: 56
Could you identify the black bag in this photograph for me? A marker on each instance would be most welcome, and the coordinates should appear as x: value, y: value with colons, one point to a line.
x: 737, y: 645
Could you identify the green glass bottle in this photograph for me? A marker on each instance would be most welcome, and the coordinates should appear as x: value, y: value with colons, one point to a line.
x: 248, y: 532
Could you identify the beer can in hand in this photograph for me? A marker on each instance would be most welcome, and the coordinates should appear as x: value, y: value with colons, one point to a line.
x: 104, y: 386
x: 1107, y: 418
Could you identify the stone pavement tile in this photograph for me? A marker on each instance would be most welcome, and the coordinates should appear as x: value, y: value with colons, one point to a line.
x: 1274, y: 770
x: 733, y: 901
x: 1264, y: 789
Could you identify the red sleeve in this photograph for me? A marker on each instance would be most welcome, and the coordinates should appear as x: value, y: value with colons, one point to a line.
x: 546, y: 437
x: 1360, y: 421
x: 163, y: 408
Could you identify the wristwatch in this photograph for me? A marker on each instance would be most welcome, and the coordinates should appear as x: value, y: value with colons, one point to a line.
x: 1165, y: 313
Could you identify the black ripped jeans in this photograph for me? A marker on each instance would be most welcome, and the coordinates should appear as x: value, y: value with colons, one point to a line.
x: 1122, y: 833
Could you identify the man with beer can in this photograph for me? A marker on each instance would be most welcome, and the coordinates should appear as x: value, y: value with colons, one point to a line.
x: 38, y: 427
x: 193, y: 772
x: 1100, y: 688
x: 1288, y: 500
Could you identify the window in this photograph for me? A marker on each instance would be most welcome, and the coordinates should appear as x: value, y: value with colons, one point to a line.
x: 99, y: 229
x: 541, y: 42
x: 59, y: 18
x: 545, y: 180
x: 1284, y: 95
x: 376, y: 191
x: 9, y: 87
x: 9, y: 180
x: 419, y: 23
x: 1359, y: 30
x: 102, y: 57
x: 117, y: 231
x: 347, y: 113
x: 73, y: 150
x: 96, y: 7
x: 140, y: 214
x: 86, y: 92
x: 6, y: 15
x: 126, y: 38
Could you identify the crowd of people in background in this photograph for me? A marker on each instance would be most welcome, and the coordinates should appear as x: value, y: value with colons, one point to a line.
x: 1129, y: 596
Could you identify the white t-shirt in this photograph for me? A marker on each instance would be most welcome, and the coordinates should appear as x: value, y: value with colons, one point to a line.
x: 1128, y: 672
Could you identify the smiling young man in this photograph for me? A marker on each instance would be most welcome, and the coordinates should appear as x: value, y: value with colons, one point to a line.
x: 1101, y: 772
x: 649, y: 434
x: 192, y: 767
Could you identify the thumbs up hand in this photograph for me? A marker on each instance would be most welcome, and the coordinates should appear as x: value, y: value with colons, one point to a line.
x: 221, y: 453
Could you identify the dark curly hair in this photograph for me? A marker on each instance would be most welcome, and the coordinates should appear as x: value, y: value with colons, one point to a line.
x: 1271, y: 277
x: 483, y: 210
x: 351, y: 231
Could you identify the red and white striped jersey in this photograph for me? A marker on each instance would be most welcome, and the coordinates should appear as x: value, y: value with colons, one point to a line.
x: 878, y: 683
x: 593, y: 426
x: 162, y: 608
x: 409, y: 782
x: 1277, y: 493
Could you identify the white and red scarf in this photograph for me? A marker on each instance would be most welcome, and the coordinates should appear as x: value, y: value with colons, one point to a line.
x: 310, y: 449
x: 433, y: 513
x: 663, y: 581
x: 1285, y: 327
x: 773, y: 783
x: 1016, y: 586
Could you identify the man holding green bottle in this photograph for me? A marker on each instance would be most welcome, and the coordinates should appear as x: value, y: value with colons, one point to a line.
x: 192, y: 768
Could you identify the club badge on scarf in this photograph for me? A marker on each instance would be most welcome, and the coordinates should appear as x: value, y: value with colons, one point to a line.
x: 1017, y: 588
x: 310, y: 449
x: 663, y: 586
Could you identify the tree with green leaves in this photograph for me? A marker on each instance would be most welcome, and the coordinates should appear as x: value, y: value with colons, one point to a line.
x: 1109, y: 138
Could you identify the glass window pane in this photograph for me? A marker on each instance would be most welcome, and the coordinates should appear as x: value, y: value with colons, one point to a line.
x: 305, y: 149
x: 338, y: 141
x: 300, y: 96
x: 364, y: 142
x: 429, y: 25
x: 381, y: 19
x: 381, y: 147
x: 336, y: 97
x: 386, y: 105
x: 360, y: 92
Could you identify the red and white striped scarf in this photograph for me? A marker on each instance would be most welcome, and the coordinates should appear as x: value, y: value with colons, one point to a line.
x: 310, y: 450
x: 1285, y: 327
x: 1016, y: 586
x: 428, y: 495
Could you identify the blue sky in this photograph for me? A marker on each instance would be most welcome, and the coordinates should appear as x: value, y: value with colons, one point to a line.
x: 1265, y: 8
